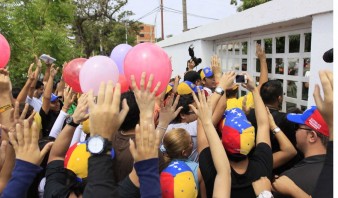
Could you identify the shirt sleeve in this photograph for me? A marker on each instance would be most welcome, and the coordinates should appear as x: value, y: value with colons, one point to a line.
x: 22, y: 177
x: 148, y: 173
x: 127, y: 189
x: 58, y: 124
x: 263, y: 155
x: 77, y: 135
x: 100, y: 180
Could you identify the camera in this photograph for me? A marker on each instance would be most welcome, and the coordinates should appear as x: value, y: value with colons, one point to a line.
x: 240, y: 79
x: 328, y: 56
x: 197, y: 61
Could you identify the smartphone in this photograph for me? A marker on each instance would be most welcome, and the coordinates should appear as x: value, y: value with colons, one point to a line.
x: 47, y: 59
x: 240, y: 79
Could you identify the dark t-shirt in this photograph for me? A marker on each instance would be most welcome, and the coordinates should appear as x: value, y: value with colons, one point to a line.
x: 260, y: 165
x: 288, y: 129
x: 59, y: 180
x: 306, y: 173
x: 47, y: 121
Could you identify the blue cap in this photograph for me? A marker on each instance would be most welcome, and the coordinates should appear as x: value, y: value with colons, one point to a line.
x: 54, y: 97
x: 206, y: 73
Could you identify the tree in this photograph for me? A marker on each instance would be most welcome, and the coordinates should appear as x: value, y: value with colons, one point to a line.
x: 34, y: 27
x: 100, y: 25
x: 246, y: 4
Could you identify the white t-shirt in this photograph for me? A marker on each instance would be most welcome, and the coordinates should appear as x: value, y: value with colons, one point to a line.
x: 36, y: 103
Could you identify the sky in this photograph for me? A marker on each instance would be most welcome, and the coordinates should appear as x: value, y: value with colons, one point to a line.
x: 207, y: 11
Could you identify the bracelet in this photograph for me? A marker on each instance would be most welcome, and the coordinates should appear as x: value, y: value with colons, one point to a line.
x: 163, y: 128
x: 5, y: 108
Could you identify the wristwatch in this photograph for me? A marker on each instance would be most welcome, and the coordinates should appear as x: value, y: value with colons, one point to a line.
x: 98, y: 145
x: 219, y: 90
x: 70, y: 121
x: 265, y: 194
x: 275, y: 130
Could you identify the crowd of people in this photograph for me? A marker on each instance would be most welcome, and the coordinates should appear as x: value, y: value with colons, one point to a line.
x: 196, y: 139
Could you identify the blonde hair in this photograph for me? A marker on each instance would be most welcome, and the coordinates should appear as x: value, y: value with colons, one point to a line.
x: 175, y: 142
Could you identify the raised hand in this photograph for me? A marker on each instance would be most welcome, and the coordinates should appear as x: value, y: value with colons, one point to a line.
x: 260, y: 53
x: 105, y: 117
x: 227, y: 80
x: 325, y: 106
x: 250, y: 85
x: 18, y: 118
x: 144, y: 97
x: 69, y: 97
x: 147, y: 142
x: 168, y: 110
x: 80, y: 113
x: 53, y: 71
x: 203, y: 110
x: 25, y: 143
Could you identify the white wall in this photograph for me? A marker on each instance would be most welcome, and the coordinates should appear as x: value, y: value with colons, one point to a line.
x: 179, y: 55
x: 322, y: 40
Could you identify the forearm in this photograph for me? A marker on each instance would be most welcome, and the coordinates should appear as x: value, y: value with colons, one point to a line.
x: 149, y: 178
x: 219, y: 156
x: 219, y: 110
x: 22, y: 177
x: 202, y: 141
x: 24, y: 92
x: 263, y: 132
x: 47, y: 95
x: 58, y: 124
x: 77, y: 135
x: 47, y: 75
x: 61, y: 144
x: 61, y: 87
x: 263, y: 77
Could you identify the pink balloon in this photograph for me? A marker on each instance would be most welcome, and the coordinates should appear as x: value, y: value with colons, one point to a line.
x: 149, y: 58
x: 95, y: 70
x: 71, y: 73
x: 5, y: 51
x: 124, y: 83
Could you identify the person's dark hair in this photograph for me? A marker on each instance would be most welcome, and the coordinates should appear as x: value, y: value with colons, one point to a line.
x: 294, y: 110
x: 270, y: 91
x: 324, y: 139
x: 192, y: 76
x: 231, y: 93
x: 39, y: 84
x: 15, y: 92
x: 133, y: 116
x: 184, y: 102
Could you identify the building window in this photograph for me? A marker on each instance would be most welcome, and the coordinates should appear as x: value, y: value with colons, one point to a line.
x: 141, y: 35
x: 288, y: 56
x: 141, y: 27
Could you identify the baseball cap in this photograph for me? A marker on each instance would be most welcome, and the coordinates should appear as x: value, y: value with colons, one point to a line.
x: 238, y: 135
x: 76, y: 159
x: 187, y: 87
x: 206, y: 73
x: 54, y: 97
x: 311, y: 118
x: 169, y: 88
x: 177, y: 180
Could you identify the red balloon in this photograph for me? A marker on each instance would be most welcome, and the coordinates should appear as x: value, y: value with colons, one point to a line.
x: 124, y: 83
x: 149, y: 58
x: 71, y: 73
x: 5, y: 51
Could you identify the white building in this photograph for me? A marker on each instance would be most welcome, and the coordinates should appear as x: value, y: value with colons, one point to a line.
x: 294, y: 33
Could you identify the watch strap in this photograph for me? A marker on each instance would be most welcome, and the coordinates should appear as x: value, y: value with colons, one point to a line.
x: 276, y: 130
x: 72, y: 123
